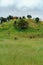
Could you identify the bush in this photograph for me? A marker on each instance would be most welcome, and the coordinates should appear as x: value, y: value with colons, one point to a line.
x: 30, y: 37
x: 23, y: 24
x: 15, y: 24
x: 15, y: 38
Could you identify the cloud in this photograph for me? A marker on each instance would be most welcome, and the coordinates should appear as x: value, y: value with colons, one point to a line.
x: 28, y: 3
x: 21, y: 7
x: 20, y: 3
x: 5, y: 3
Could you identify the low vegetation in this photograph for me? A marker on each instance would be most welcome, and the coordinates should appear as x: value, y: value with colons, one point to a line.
x: 22, y: 51
x: 21, y: 41
x: 22, y: 24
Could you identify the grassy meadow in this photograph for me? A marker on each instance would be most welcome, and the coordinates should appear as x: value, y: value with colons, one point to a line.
x: 24, y: 50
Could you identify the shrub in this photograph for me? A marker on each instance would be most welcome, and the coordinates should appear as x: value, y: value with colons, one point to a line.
x: 23, y: 24
x: 30, y: 37
x: 15, y: 24
x: 15, y: 38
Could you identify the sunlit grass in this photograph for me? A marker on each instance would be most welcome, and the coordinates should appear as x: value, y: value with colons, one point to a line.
x: 23, y: 51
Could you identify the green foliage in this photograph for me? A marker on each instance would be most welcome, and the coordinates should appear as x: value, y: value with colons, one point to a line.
x: 9, y: 17
x: 37, y: 19
x: 22, y: 24
x: 15, y: 24
x: 23, y: 51
x: 23, y: 17
x: 3, y: 19
x: 29, y: 16
x: 20, y: 17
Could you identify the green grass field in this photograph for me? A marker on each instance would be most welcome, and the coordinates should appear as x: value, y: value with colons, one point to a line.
x: 23, y: 51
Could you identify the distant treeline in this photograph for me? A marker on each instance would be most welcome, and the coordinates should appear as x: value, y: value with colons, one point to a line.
x: 2, y: 19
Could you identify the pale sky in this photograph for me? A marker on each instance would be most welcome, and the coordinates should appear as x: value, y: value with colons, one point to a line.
x: 21, y: 7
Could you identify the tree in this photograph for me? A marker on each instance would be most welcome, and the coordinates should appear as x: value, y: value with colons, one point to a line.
x: 9, y: 17
x: 29, y: 16
x: 37, y: 19
x: 23, y: 17
x: 20, y: 18
x: 3, y: 19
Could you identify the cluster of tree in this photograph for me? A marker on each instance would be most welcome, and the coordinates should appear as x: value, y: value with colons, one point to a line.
x: 37, y: 19
x: 2, y: 19
x: 9, y: 17
x: 22, y: 24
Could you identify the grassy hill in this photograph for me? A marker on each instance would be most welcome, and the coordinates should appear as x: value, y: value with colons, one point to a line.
x: 7, y: 29
x: 24, y: 50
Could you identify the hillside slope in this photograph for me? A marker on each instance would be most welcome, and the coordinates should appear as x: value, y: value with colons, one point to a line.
x: 7, y: 29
